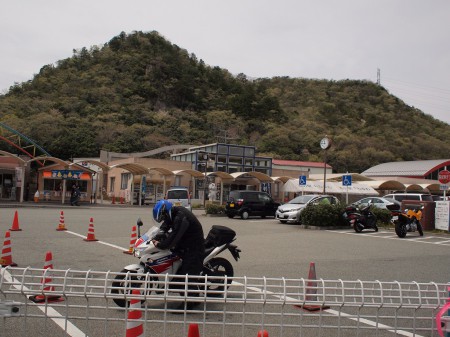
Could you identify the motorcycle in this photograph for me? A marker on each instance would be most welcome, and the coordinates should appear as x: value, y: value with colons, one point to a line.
x: 360, y: 218
x: 407, y: 221
x: 154, y: 261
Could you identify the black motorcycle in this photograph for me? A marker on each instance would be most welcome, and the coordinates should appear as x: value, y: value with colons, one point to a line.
x: 361, y: 218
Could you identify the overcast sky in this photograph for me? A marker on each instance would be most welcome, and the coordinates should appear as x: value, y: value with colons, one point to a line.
x: 408, y: 40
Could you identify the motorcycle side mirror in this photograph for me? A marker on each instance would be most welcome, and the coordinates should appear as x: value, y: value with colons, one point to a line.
x: 139, y: 222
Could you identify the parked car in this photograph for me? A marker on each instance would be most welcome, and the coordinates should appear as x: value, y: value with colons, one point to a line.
x: 250, y: 203
x: 409, y: 196
x: 179, y: 196
x: 290, y: 211
x: 378, y: 202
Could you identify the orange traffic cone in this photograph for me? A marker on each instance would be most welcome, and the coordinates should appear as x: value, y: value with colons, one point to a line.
x: 91, y: 234
x: 61, y: 226
x: 132, y: 241
x: 15, y: 224
x: 134, y: 322
x: 6, y: 259
x: 193, y: 330
x: 311, y: 291
x: 263, y: 333
x: 48, y: 266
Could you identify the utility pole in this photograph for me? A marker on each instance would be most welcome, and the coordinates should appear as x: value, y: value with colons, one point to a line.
x: 378, y: 76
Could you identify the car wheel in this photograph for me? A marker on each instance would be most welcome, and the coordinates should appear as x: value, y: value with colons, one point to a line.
x: 245, y: 215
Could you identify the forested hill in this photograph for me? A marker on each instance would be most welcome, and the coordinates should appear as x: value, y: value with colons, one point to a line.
x: 139, y: 92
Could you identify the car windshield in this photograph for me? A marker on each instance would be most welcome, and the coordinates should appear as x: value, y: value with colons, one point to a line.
x: 302, y: 199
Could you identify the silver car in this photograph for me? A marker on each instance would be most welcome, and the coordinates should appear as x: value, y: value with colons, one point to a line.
x: 290, y: 211
x: 377, y: 202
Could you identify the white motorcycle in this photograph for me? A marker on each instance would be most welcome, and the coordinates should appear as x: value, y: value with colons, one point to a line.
x: 153, y: 261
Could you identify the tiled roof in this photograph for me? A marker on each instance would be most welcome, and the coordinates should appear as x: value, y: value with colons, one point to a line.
x: 407, y: 168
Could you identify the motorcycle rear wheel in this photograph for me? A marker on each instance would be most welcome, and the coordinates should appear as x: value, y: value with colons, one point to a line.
x: 217, y: 266
x: 120, y: 282
x: 400, y: 230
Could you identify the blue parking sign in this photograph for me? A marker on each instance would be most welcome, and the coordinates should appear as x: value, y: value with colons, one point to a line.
x: 302, y: 180
x: 347, y: 180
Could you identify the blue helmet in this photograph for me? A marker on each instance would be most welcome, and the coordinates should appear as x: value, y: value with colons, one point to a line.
x: 162, y: 209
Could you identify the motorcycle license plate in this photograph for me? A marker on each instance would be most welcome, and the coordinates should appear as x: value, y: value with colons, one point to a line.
x: 395, y: 217
x: 231, y: 205
x: 177, y: 203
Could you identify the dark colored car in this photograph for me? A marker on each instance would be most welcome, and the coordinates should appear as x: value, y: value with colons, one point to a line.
x: 250, y: 203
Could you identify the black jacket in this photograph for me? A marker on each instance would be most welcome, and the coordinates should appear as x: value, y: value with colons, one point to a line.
x: 187, y: 232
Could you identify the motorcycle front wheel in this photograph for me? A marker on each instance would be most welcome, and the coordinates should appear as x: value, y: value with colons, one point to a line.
x: 400, y: 229
x: 217, y: 266
x: 419, y: 228
x: 122, y: 282
x: 357, y: 227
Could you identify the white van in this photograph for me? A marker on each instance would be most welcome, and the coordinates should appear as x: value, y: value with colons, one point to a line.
x: 410, y: 196
x: 179, y: 196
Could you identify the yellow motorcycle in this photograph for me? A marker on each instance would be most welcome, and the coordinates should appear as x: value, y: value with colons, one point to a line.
x: 407, y: 221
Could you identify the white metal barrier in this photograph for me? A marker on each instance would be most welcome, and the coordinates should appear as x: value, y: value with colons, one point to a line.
x: 82, y: 303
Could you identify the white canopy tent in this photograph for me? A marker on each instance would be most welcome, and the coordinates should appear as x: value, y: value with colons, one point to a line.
x: 316, y: 186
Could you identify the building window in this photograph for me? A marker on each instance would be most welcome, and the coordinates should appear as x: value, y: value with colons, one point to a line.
x: 235, y: 160
x: 112, y: 182
x: 249, y: 161
x: 236, y: 151
x: 222, y: 149
x: 249, y: 152
x: 222, y: 159
x: 124, y: 177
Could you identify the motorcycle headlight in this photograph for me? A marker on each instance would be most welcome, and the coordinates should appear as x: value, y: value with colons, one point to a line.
x: 137, y: 253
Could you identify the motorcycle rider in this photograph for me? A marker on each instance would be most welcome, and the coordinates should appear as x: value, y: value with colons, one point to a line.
x: 184, y: 235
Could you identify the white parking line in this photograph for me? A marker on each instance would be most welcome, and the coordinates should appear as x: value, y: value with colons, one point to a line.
x: 387, y: 235
x: 51, y: 313
x: 339, y: 314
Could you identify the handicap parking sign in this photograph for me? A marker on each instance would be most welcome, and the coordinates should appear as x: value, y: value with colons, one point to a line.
x: 347, y: 180
x: 302, y: 180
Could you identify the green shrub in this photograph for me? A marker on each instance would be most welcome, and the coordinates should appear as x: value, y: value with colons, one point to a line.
x: 214, y: 209
x: 383, y: 216
x: 322, y: 215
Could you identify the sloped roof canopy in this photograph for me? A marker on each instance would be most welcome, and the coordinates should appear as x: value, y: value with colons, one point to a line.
x: 221, y: 174
x: 386, y: 185
x: 194, y: 173
x: 419, y: 168
x: 52, y: 159
x: 135, y: 169
x: 162, y: 170
x: 8, y: 154
x: 103, y: 166
x: 258, y: 175
x: 283, y: 179
x: 338, y: 176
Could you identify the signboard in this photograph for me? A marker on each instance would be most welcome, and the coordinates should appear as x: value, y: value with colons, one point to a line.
x: 347, y: 180
x: 66, y: 174
x: 444, y: 177
x: 442, y: 215
x: 302, y: 180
